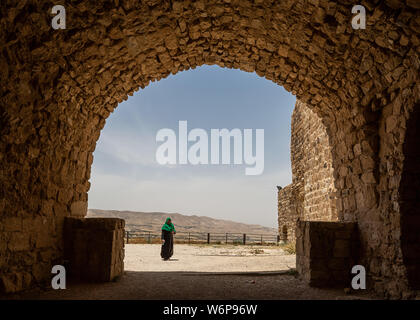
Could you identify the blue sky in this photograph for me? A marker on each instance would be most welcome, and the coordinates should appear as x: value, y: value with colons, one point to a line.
x: 126, y: 176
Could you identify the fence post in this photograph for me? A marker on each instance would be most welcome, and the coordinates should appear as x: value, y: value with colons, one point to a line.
x: 208, y: 238
x: 278, y: 239
x: 226, y: 238
x: 261, y: 239
x: 128, y: 235
x: 149, y: 239
x: 244, y: 238
x: 189, y: 238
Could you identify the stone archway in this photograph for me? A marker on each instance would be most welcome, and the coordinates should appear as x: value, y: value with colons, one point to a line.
x: 59, y: 86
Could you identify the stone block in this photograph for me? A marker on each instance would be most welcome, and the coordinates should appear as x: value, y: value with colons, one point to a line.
x: 93, y: 248
x: 19, y: 241
x: 323, y: 257
x: 78, y: 209
x: 12, y: 224
x: 341, y: 248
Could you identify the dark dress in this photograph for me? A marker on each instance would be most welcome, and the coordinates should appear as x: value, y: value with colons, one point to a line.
x: 168, y: 247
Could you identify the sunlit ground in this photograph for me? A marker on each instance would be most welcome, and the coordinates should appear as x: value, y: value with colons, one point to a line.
x: 208, y: 258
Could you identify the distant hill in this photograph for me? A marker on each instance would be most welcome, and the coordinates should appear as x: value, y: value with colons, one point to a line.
x: 152, y: 221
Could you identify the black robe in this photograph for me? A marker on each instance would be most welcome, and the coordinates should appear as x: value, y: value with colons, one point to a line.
x: 168, y: 247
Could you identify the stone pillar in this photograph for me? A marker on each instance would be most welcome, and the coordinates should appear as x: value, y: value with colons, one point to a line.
x: 326, y: 252
x: 94, y: 248
x: 287, y: 213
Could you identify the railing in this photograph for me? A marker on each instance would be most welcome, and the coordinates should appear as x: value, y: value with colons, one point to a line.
x: 145, y: 236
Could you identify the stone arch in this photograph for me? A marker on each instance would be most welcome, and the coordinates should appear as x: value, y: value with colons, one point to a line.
x: 58, y: 88
x: 409, y: 195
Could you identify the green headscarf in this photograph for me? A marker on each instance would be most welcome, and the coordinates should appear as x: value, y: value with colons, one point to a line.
x: 168, y: 226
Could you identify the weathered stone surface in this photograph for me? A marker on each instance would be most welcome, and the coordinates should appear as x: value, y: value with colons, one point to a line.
x: 312, y: 195
x: 323, y: 258
x: 288, y: 213
x: 94, y: 248
x: 78, y: 208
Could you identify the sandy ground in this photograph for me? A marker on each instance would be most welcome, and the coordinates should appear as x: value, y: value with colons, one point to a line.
x: 204, y: 258
x: 200, y: 272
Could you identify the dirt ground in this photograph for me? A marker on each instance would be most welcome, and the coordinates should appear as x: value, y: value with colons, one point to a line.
x: 208, y: 258
x: 200, y: 272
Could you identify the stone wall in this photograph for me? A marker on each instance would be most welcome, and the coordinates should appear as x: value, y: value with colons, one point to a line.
x: 288, y: 216
x: 312, y: 165
x: 312, y: 194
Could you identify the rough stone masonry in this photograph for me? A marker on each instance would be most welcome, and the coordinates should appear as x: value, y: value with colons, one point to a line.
x: 59, y: 86
x: 312, y: 194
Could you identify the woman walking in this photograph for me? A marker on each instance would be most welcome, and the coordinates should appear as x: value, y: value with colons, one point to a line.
x: 168, y: 231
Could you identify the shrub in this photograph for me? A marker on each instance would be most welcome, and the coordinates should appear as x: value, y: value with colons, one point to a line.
x: 257, y: 251
x: 289, y: 247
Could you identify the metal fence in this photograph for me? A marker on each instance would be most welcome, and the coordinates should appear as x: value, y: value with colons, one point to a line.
x: 145, y: 236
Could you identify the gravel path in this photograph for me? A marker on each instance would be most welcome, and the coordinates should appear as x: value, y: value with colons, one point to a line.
x: 200, y: 272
